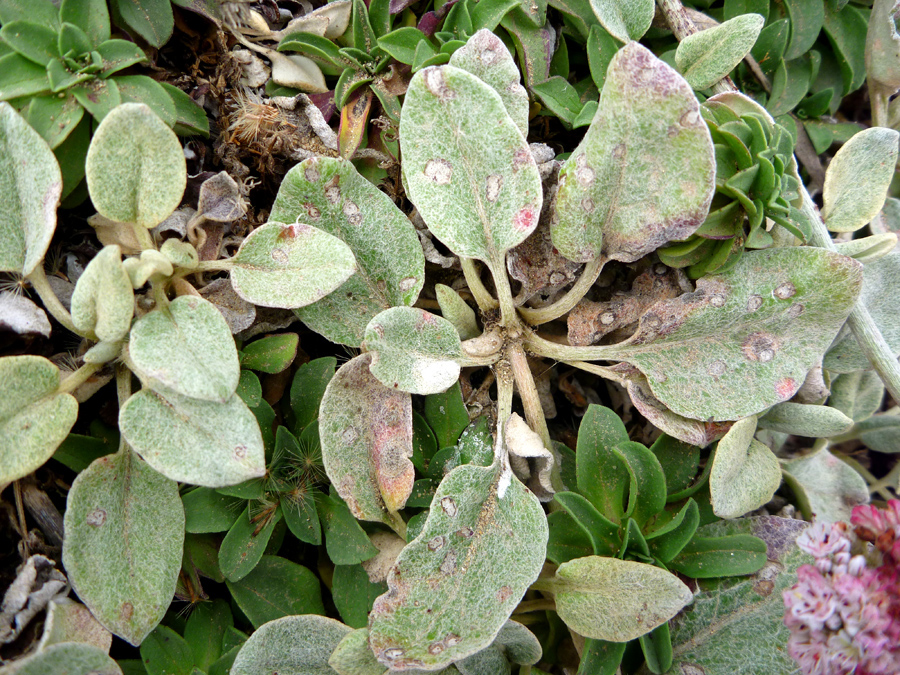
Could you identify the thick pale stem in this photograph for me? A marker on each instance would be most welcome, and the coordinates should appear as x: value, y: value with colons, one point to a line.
x: 867, y: 334
x: 679, y: 22
x: 551, y: 350
x: 509, y: 318
x: 531, y: 401
x: 38, y: 280
x: 505, y: 381
x: 482, y: 298
x: 79, y: 377
x: 602, y: 371
x: 588, y: 276
x: 145, y: 239
x: 878, y: 98
x: 397, y: 524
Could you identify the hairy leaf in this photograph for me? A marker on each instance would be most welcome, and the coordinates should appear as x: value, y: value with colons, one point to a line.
x: 832, y: 487
x: 103, y: 301
x: 812, y: 421
x: 67, y: 658
x: 293, y: 645
x: 706, y: 57
x: 745, y: 473
x: 625, y: 20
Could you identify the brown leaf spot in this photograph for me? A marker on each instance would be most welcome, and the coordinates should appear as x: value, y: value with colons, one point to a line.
x: 333, y: 190
x: 521, y: 158
x: 764, y: 588
x: 784, y: 291
x: 716, y: 368
x: 588, y: 205
x: 503, y: 594
x: 312, y: 211
x: 449, y: 506
x: 795, y: 310
x: 435, y: 648
x: 96, y: 518
x: 754, y: 303
x: 760, y: 346
x: 240, y: 452
x: 448, y: 564
x: 311, y: 172
x: 436, y: 543
x: 439, y: 171
x: 351, y: 210
x: 619, y: 151
x: 436, y: 83
x: 279, y: 256
x: 127, y: 611
x: 465, y: 532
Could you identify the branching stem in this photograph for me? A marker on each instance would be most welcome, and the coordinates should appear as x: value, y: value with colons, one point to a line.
x: 589, y: 275
x: 79, y: 377
x: 531, y: 401
x: 482, y: 298
x: 39, y: 282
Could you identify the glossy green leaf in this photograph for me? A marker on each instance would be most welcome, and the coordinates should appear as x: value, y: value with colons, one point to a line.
x: 244, y: 545
x: 124, y: 527
x: 446, y: 415
x: 35, y: 42
x: 135, y: 167
x: 41, y: 11
x: 679, y: 461
x: 710, y: 557
x: 98, y: 97
x: 616, y: 600
x: 807, y: 17
x: 745, y: 473
x: 293, y: 645
x: 706, y: 57
x: 604, y: 535
x: 354, y: 594
x: 568, y: 539
x: 811, y: 421
x: 475, y: 184
x: 92, y: 17
x: 647, y: 491
x: 602, y: 477
x: 601, y: 657
x: 34, y: 419
x: 54, y: 118
x: 745, y: 339
x: 453, y: 587
x: 413, y: 350
x: 560, y: 98
x: 67, y: 658
x: 271, y: 354
x: 103, y: 301
x: 790, y: 84
x: 669, y: 540
x: 647, y: 124
x: 488, y: 59
x: 831, y: 487
x: 883, y: 46
x: 186, y: 349
x: 165, y: 652
x: 625, y: 20
x: 205, y: 630
x: 276, y: 588
x: 290, y: 266
x: 307, y: 390
x: 331, y: 195
x: 205, y: 510
x: 366, y: 433
x: 153, y: 20
x: 533, y: 45
x: 31, y: 184
x: 190, y: 118
x: 846, y: 31
x: 192, y: 441
x: 119, y: 54
x: 401, y: 43
x: 857, y: 179
x: 146, y: 90
x: 345, y: 540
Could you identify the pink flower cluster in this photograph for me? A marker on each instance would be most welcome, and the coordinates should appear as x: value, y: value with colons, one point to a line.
x: 844, y: 611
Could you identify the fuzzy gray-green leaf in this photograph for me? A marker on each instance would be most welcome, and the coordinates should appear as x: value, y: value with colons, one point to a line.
x: 488, y: 59
x: 292, y: 645
x: 453, y: 587
x: 103, y: 301
x: 192, y: 441
x: 857, y: 179
x: 832, y: 486
x: 467, y: 166
x: 625, y: 20
x: 390, y: 266
x: 883, y: 46
x: 745, y: 473
x: 34, y: 419
x: 187, y: 349
x: 366, y: 434
x: 135, y: 167
x: 413, y: 350
x: 811, y: 421
x: 706, y: 57
x: 745, y: 339
x: 124, y: 528
x: 644, y: 174
x: 290, y: 266
x: 67, y: 658
x: 31, y: 185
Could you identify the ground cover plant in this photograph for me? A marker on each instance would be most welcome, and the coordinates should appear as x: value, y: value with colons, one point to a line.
x: 478, y: 337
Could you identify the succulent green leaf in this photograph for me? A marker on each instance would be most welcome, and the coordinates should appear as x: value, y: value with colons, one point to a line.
x: 66, y: 658
x: 616, y: 600
x: 271, y: 354
x: 644, y: 174
x: 625, y: 20
x: 276, y: 588
x: 366, y: 434
x: 35, y: 42
x: 354, y: 594
x: 745, y: 473
x: 135, y: 167
x: 190, y: 118
x: 647, y: 491
x: 447, y: 415
x: 811, y: 421
x: 413, y: 350
x: 745, y: 339
x: 119, y: 54
x: 146, y: 90
x: 602, y: 477
x: 857, y: 179
x: 205, y: 510
x: 205, y: 629
x: 467, y: 166
x: 568, y: 540
x: 669, y: 540
x: 103, y: 301
x: 201, y: 442
x: 807, y: 17
x: 186, y: 349
x: 488, y: 59
x: 293, y: 645
x: 308, y: 388
x: 124, y: 527
x: 164, y: 651
x: 832, y: 487
x: 346, y: 542
x: 846, y: 31
x: 290, y: 266
x: 453, y: 587
x: 706, y: 57
x: 31, y: 184
x: 709, y: 557
x: 54, y: 118
x: 883, y: 46
x: 153, y: 20
x: 34, y: 419
x: 605, y: 536
x: 243, y: 547
x: 92, y: 17
x: 679, y: 461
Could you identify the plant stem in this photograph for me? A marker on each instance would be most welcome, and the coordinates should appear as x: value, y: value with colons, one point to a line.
x: 505, y: 381
x: 77, y: 378
x: 589, y: 275
x: 509, y: 318
x: 20, y: 513
x: 601, y: 371
x: 482, y: 298
x: 397, y: 524
x: 531, y: 401
x: 145, y: 239
x: 123, y: 383
x: 878, y: 98
x: 568, y: 353
x: 39, y: 282
x: 867, y: 334
x: 539, y: 605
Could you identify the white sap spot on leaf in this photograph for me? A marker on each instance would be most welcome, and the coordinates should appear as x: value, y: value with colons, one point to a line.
x: 784, y: 291
x: 795, y: 310
x: 717, y: 300
x: 96, y: 518
x: 690, y: 119
x: 311, y: 172
x: 754, y: 303
x: 429, y: 372
x: 351, y: 210
x: 392, y: 654
x: 435, y: 648
x: 716, y: 368
x: 407, y: 284
x: 505, y: 480
x: 349, y: 435
x: 436, y: 543
x: 449, y: 506
x: 607, y: 318
x: 279, y: 256
x: 439, y: 171
x: 437, y: 85
x: 494, y: 183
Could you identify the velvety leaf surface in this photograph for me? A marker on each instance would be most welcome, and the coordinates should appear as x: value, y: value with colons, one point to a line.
x: 454, y: 586
x: 192, y: 441
x: 488, y: 59
x: 34, y: 419
x: 413, y: 350
x: 31, y: 185
x: 706, y: 57
x: 68, y: 658
x: 857, y: 179
x: 625, y: 20
x: 831, y: 487
x: 135, y: 167
x: 745, y: 473
x: 644, y: 172
x: 124, y: 527
x: 290, y: 266
x: 811, y: 421
x: 186, y: 349
x: 293, y: 645
x: 883, y: 46
x: 745, y: 339
x: 103, y: 300
x: 390, y: 266
x: 467, y: 166
x: 616, y: 600
x: 366, y: 434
